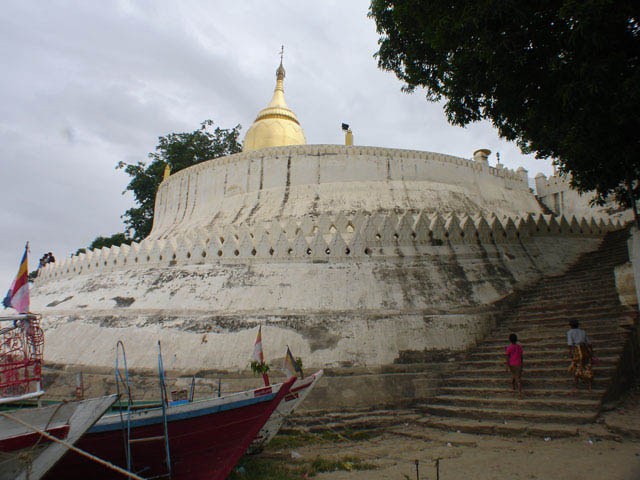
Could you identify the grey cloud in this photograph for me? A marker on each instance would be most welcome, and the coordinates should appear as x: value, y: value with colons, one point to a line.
x: 86, y: 84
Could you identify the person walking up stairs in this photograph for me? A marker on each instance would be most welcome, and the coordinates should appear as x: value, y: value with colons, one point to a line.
x: 477, y: 397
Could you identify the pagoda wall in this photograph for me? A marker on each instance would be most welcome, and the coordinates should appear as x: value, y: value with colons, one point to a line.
x: 291, y: 182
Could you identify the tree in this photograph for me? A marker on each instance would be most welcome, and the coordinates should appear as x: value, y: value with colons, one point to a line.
x: 178, y: 151
x: 114, y: 240
x: 561, y: 78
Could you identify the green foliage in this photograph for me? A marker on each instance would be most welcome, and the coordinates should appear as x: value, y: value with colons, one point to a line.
x: 114, y: 240
x: 259, y: 368
x: 561, y: 78
x: 262, y: 468
x: 179, y: 151
x: 299, y: 366
x: 297, y: 439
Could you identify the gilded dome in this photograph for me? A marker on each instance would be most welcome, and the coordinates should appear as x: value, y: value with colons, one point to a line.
x: 275, y: 125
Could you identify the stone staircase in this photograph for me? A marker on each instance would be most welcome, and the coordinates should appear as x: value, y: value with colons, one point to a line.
x: 477, y: 397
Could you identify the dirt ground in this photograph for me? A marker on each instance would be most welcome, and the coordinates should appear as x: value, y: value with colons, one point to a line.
x: 481, y: 457
x: 607, y: 450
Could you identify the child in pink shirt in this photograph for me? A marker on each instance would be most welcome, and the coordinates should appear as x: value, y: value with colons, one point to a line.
x: 515, y: 361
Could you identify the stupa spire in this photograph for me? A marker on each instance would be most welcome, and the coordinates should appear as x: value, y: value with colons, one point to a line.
x: 275, y: 125
x: 278, y: 93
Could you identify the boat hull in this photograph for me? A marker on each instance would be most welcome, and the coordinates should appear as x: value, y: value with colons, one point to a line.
x: 291, y: 402
x: 25, y: 453
x: 206, y: 438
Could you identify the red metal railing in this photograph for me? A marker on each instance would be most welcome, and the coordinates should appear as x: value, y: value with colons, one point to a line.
x: 21, y: 347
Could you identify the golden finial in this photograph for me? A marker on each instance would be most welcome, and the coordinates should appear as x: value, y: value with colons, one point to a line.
x: 167, y: 172
x: 280, y: 73
x: 275, y: 125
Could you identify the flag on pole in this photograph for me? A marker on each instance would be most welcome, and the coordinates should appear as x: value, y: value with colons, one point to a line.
x: 290, y: 367
x: 18, y: 294
x: 258, y: 356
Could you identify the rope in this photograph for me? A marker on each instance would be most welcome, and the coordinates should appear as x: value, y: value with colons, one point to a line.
x: 64, y: 402
x: 73, y: 448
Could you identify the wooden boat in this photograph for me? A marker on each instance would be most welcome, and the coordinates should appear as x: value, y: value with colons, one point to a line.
x: 25, y: 454
x: 291, y: 402
x: 202, y: 440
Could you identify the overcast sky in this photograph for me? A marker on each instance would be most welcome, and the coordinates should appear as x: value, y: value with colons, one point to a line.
x: 87, y: 84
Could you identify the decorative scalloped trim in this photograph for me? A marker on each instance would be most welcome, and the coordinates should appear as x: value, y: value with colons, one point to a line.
x: 324, y: 238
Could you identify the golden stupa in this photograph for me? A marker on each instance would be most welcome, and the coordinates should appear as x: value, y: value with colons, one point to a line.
x: 276, y: 125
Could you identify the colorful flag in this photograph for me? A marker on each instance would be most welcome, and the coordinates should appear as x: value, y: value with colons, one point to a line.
x: 18, y: 294
x: 290, y: 367
x: 258, y: 356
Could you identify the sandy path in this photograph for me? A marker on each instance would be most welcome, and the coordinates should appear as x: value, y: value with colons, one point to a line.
x: 479, y: 457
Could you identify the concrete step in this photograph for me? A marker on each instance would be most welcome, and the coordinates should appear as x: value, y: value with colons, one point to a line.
x: 568, y: 404
x: 614, y: 320
x: 371, y: 420
x: 570, y: 302
x: 476, y: 397
x: 595, y: 273
x: 593, y: 325
x: 553, y: 331
x: 565, y: 290
x: 499, y: 363
x: 550, y: 354
x: 609, y: 337
x: 607, y: 296
x: 324, y: 415
x: 608, y: 259
x: 536, y: 383
x: 554, y: 342
x: 597, y: 268
x: 568, y: 313
x: 545, y: 372
x: 507, y: 414
x: 506, y: 392
x: 511, y: 428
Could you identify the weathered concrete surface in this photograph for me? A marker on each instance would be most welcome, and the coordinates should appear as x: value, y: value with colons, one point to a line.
x: 354, y: 257
x: 343, y: 313
x: 633, y: 245
x: 339, y: 388
x: 626, y: 284
x: 290, y: 182
x: 556, y: 193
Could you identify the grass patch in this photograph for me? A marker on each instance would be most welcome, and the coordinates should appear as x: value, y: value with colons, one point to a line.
x: 300, y: 439
x: 334, y: 464
x: 261, y: 468
x: 274, y: 464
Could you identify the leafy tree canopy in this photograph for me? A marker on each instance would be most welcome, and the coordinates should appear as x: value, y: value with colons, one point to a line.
x: 559, y: 77
x: 178, y: 151
x: 114, y: 240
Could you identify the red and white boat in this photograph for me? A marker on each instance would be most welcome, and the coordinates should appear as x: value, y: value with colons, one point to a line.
x: 24, y: 452
x: 299, y: 391
x: 202, y: 440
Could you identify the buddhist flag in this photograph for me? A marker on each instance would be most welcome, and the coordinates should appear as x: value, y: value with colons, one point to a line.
x: 290, y: 367
x: 258, y: 356
x: 18, y: 294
